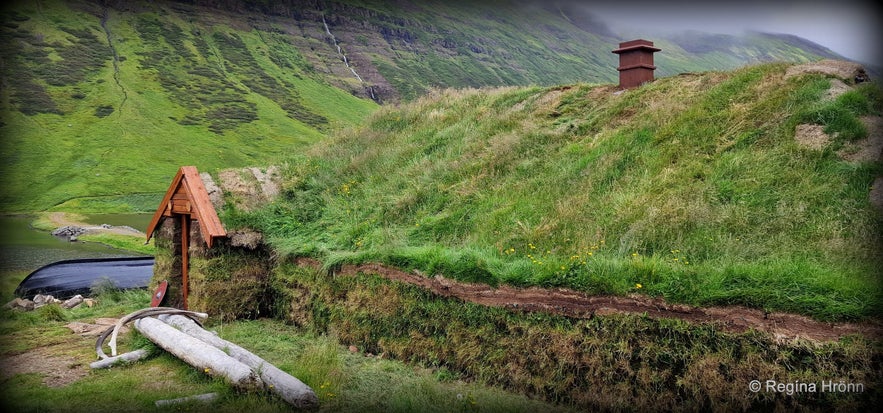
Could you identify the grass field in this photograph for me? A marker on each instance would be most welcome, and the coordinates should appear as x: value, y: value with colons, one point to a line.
x: 692, y: 188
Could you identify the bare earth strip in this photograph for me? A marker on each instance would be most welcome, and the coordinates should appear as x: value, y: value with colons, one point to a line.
x: 575, y: 304
x: 58, y: 364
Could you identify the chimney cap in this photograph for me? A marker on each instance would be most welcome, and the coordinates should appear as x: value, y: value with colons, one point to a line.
x: 637, y: 44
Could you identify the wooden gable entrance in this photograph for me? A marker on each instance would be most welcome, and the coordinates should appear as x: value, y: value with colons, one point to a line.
x: 186, y: 201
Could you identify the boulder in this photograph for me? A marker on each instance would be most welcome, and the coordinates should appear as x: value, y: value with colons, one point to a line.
x: 70, y: 232
x: 41, y: 300
x: 21, y: 304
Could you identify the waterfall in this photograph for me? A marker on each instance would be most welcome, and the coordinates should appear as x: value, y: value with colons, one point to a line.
x: 340, y: 53
x: 346, y: 61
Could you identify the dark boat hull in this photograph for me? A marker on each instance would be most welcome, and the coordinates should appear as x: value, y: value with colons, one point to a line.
x: 65, y: 279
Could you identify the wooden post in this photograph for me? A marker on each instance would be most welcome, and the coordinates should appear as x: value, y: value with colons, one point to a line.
x: 185, y: 255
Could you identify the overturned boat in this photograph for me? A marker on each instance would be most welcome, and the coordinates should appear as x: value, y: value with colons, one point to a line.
x: 65, y: 279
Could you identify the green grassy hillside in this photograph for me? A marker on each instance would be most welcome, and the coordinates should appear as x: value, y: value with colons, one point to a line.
x: 101, y: 102
x: 108, y: 103
x: 691, y: 188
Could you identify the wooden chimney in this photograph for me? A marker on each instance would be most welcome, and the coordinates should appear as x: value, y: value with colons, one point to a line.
x: 635, y: 63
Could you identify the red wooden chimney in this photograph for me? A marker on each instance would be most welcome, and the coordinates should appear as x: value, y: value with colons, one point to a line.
x: 635, y: 62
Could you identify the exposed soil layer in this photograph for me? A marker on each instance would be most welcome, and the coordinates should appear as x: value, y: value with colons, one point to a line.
x: 848, y: 71
x: 812, y: 136
x: 575, y: 304
x: 869, y: 149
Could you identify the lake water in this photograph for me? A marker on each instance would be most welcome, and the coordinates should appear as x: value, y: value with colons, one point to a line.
x: 23, y: 248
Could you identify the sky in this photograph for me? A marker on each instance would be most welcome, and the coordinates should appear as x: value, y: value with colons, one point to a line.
x: 850, y: 28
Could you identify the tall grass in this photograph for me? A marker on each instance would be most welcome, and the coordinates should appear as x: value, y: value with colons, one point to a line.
x: 692, y: 187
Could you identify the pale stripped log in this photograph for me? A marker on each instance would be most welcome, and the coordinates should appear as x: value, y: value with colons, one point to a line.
x: 198, y: 354
x: 285, y: 385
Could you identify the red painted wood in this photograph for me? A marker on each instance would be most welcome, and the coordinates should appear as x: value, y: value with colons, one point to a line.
x: 635, y: 62
x: 185, y: 255
x: 159, y: 294
x: 187, y: 195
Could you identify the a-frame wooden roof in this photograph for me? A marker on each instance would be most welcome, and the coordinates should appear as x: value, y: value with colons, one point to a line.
x: 187, y: 196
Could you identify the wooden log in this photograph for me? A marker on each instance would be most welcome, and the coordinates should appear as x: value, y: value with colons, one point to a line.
x: 205, y: 398
x: 122, y: 358
x: 285, y: 385
x: 198, y: 354
x: 146, y: 312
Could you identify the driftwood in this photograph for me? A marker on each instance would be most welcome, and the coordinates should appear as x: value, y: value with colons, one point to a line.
x: 122, y: 358
x: 147, y: 312
x: 205, y: 398
x: 285, y: 385
x: 198, y: 354
x: 180, y: 333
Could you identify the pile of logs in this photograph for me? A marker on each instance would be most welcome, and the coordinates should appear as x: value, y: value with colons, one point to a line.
x: 180, y: 333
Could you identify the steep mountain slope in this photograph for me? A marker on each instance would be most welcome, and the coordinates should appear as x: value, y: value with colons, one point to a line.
x: 401, y: 49
x: 106, y: 99
x: 692, y: 188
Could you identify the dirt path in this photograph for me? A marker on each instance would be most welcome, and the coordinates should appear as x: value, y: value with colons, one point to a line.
x: 572, y: 303
x: 60, y: 363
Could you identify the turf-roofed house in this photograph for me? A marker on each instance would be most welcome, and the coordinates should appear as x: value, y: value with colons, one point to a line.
x: 206, y: 267
x: 650, y: 248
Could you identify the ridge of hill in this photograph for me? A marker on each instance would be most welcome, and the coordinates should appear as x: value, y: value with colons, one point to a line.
x: 102, y: 101
x: 693, y: 188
